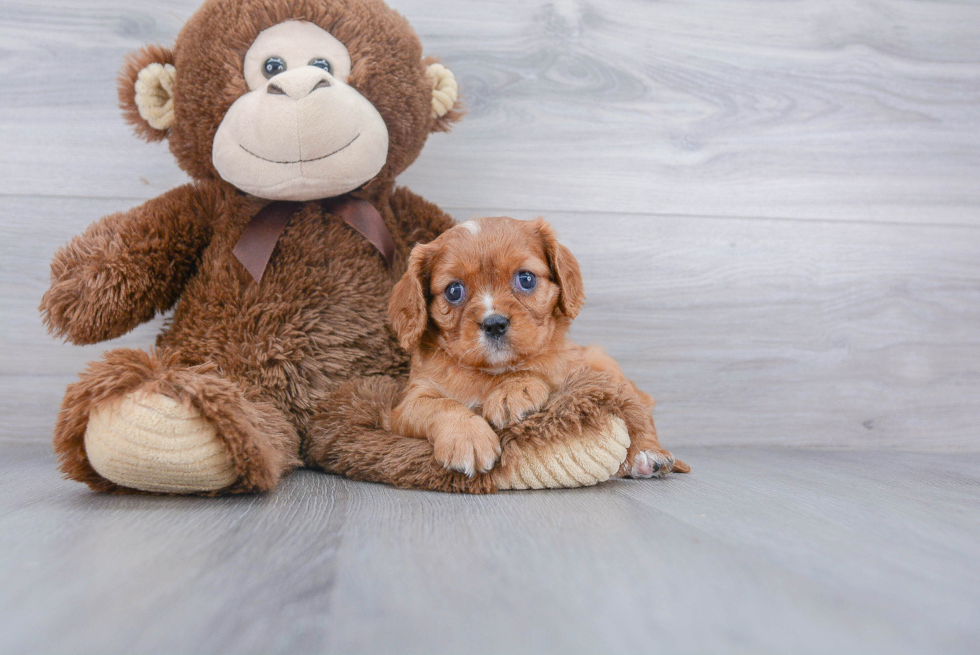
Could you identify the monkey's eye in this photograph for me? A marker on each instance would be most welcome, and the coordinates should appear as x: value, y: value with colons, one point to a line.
x: 526, y: 280
x: 320, y: 62
x: 454, y: 293
x: 273, y: 66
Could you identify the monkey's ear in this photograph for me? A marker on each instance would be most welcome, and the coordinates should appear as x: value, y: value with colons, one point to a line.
x: 564, y: 269
x: 146, y: 91
x: 446, y: 106
x: 408, y: 310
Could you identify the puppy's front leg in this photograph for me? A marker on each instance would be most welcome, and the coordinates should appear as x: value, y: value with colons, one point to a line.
x: 461, y: 440
x: 515, y: 398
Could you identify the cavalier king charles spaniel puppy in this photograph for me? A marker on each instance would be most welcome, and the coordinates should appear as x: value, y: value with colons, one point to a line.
x: 484, y: 310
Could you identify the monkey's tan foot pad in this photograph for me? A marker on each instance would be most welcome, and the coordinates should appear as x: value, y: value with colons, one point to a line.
x: 589, y: 459
x: 151, y: 442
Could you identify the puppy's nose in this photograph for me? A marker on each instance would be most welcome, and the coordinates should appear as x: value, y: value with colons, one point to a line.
x: 495, y: 326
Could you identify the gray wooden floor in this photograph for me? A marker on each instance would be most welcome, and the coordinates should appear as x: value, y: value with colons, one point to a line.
x: 777, y: 210
x: 760, y: 550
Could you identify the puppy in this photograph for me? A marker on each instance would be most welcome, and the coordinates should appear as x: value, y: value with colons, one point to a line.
x: 484, y: 310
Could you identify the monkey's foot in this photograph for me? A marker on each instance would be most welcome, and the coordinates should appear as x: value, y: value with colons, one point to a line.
x: 151, y: 442
x: 592, y: 457
x: 138, y: 421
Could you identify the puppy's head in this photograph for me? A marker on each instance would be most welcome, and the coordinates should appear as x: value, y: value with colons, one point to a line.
x: 491, y: 292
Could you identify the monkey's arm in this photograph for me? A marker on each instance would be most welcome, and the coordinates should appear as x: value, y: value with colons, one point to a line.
x: 126, y: 267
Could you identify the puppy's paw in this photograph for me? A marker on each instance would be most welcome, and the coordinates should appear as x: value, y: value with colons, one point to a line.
x: 469, y: 446
x: 511, y: 402
x: 652, y: 464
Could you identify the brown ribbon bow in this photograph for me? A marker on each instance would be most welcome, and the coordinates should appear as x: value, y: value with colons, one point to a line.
x: 258, y: 240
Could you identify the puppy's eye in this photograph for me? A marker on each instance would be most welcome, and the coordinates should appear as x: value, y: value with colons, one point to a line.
x: 320, y: 62
x: 454, y: 293
x: 526, y: 280
x: 273, y: 66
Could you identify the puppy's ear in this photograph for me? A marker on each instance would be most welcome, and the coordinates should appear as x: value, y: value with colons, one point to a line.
x: 146, y: 91
x: 408, y: 309
x: 564, y: 269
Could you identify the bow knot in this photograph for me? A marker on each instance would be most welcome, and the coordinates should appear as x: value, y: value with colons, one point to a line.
x: 259, y: 239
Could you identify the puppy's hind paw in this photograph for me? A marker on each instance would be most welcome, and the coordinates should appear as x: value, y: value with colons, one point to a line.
x: 655, y: 464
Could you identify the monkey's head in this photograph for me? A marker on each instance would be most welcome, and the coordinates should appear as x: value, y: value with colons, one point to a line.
x: 290, y: 99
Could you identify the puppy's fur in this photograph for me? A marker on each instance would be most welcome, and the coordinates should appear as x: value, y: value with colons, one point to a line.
x: 493, y: 353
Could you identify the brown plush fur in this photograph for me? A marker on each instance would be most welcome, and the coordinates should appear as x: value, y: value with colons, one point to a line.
x: 127, y: 267
x: 262, y: 441
x: 302, y: 367
x: 464, y: 381
x: 387, y: 69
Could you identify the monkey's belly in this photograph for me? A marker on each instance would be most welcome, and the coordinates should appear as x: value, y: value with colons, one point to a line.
x: 318, y: 317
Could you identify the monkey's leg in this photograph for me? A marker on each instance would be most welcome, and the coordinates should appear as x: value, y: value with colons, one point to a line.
x: 575, y: 440
x: 138, y: 421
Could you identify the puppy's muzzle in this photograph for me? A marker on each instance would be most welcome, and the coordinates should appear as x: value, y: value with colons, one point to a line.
x: 495, y: 326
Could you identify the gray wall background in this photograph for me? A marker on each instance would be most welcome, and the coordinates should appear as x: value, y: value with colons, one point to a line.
x: 775, y: 204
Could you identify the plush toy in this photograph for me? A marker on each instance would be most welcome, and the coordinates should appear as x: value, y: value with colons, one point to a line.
x: 293, y: 118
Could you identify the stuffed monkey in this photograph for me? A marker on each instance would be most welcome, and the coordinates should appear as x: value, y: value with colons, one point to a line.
x: 293, y: 118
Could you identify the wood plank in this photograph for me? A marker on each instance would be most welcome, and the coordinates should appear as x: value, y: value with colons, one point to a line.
x: 194, y: 561
x: 756, y: 551
x: 802, y: 333
x: 790, y: 333
x: 850, y: 110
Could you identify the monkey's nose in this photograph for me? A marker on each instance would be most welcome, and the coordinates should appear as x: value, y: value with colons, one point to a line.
x: 299, y: 83
x: 495, y: 326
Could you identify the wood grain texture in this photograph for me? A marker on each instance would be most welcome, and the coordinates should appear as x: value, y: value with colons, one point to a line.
x: 798, y: 333
x: 860, y: 110
x: 756, y: 551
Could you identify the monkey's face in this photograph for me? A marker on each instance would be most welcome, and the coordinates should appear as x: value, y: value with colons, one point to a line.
x: 292, y: 99
x: 300, y: 133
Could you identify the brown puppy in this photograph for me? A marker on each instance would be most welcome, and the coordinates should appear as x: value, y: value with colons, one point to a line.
x: 484, y: 309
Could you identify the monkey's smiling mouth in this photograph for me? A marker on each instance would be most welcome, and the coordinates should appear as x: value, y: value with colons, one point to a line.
x: 299, y: 161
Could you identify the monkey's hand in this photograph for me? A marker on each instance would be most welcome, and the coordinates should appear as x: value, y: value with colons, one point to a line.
x: 125, y: 268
